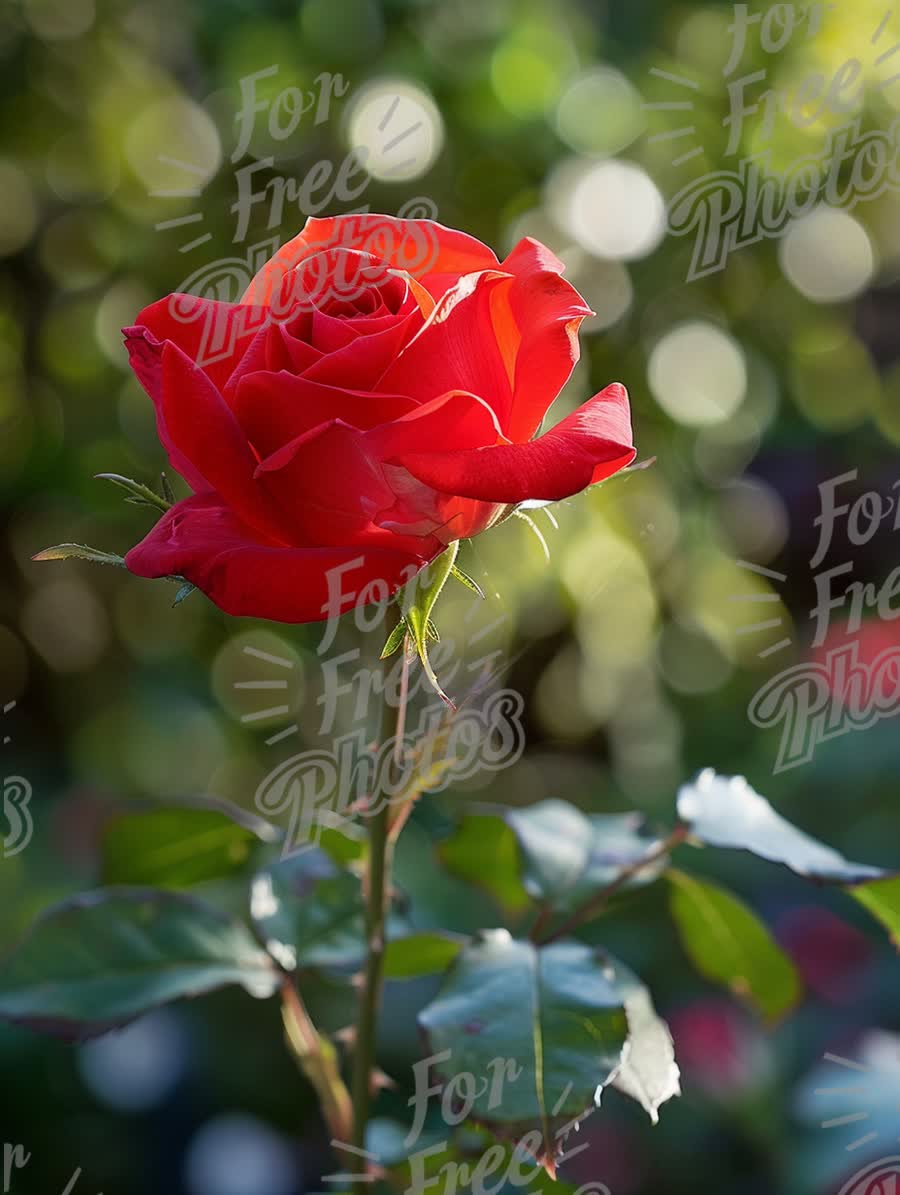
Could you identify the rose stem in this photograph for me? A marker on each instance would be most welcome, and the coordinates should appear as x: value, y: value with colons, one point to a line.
x: 377, y: 894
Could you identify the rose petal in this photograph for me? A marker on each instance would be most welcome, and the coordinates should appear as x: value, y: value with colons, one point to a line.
x: 145, y: 356
x: 214, y: 335
x: 456, y: 348
x: 536, y: 321
x: 362, y: 363
x: 433, y: 254
x: 203, y: 541
x: 273, y: 349
x: 201, y: 432
x: 457, y: 420
x: 329, y: 333
x: 327, y: 483
x: 586, y: 447
x: 275, y: 408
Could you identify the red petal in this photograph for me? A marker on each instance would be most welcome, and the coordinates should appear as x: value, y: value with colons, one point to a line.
x: 586, y: 447
x: 330, y: 334
x: 327, y: 483
x: 456, y: 420
x: 273, y: 349
x: 457, y: 348
x: 145, y: 355
x: 537, y: 326
x: 214, y: 335
x: 203, y: 541
x: 433, y: 254
x: 202, y: 433
x: 275, y: 408
x: 362, y: 363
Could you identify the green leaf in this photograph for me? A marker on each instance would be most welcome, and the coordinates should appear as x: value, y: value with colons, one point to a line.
x: 729, y: 945
x: 97, y: 961
x: 176, y: 846
x: 167, y: 492
x: 419, y: 600
x: 561, y: 855
x: 457, y: 573
x: 554, y: 1014
x: 310, y: 911
x: 649, y: 1073
x: 483, y: 851
x: 421, y: 954
x: 347, y: 845
x: 568, y: 856
x: 882, y: 899
x: 80, y: 552
x: 725, y: 811
x: 141, y: 493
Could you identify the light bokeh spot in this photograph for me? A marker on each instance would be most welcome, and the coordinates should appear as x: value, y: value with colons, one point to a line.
x: 600, y: 112
x: 613, y: 209
x: 828, y: 255
x: 396, y: 128
x: 698, y: 374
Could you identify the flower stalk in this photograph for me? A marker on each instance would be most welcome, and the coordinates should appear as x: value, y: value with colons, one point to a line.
x: 377, y: 889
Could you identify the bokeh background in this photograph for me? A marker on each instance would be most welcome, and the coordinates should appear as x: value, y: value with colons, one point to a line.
x: 750, y: 387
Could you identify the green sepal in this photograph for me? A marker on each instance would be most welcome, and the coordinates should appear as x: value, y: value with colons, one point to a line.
x: 419, y: 600
x: 167, y: 492
x: 399, y: 633
x: 141, y: 494
x: 395, y: 638
x: 457, y: 573
x: 80, y: 552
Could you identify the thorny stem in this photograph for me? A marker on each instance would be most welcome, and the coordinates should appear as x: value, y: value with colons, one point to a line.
x: 318, y: 1061
x: 596, y: 903
x: 377, y: 894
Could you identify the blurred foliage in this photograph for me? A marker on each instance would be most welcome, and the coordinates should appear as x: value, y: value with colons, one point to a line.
x: 751, y: 386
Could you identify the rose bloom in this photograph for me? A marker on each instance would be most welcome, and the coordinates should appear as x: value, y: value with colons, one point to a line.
x: 375, y: 396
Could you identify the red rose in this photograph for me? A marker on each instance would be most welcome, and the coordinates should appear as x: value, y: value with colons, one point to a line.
x: 349, y: 409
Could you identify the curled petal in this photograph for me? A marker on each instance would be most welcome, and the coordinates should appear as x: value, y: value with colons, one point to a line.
x: 203, y: 541
x: 586, y: 447
x: 206, y: 443
x: 431, y: 253
x: 361, y: 363
x: 275, y: 408
x: 214, y: 335
x: 536, y: 321
x: 456, y: 420
x: 456, y: 348
x: 327, y: 483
